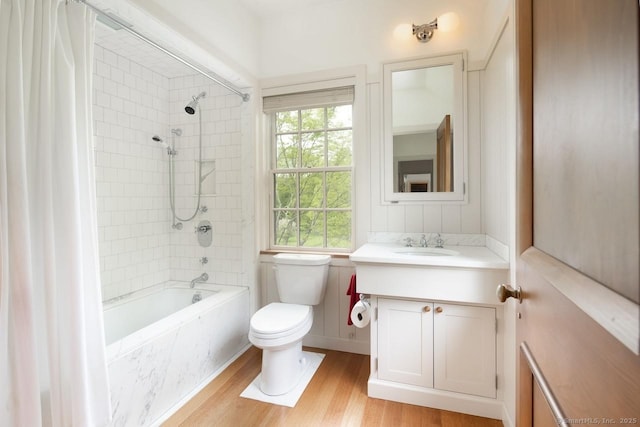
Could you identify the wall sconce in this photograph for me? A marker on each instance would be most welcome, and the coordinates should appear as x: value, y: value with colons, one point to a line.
x: 446, y: 22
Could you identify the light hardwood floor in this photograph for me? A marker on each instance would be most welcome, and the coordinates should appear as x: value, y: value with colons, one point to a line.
x: 336, y: 396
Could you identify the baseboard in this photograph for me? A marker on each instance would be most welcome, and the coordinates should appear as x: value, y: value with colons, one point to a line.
x: 337, y: 344
x: 506, y: 419
x: 438, y: 399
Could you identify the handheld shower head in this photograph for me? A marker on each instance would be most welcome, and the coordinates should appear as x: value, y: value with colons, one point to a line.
x: 191, y: 106
x: 160, y: 141
x: 170, y: 150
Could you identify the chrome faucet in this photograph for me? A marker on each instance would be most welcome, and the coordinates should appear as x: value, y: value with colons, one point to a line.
x: 439, y: 241
x: 201, y: 278
x: 423, y: 242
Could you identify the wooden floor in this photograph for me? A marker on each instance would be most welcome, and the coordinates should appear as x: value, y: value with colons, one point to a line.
x: 336, y: 396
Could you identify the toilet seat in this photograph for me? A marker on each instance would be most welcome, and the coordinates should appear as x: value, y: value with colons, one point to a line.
x: 280, y: 323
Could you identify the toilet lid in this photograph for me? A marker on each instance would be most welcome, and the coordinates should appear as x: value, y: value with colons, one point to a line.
x: 279, y: 317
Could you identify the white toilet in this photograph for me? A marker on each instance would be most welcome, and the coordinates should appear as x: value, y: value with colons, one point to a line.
x: 279, y: 327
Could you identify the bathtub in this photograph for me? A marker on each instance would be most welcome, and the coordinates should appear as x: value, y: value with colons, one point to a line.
x: 162, y: 348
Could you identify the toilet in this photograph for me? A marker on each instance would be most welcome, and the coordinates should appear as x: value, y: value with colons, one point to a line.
x: 278, y: 328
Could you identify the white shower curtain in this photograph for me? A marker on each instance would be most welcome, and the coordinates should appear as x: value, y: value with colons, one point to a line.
x: 52, y: 354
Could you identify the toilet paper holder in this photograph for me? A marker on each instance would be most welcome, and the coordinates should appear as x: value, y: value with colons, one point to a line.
x: 365, y: 299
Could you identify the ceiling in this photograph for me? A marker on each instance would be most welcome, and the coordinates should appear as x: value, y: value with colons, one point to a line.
x: 125, y: 44
x: 268, y: 7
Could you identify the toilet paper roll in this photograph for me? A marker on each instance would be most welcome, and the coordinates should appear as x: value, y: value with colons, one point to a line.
x: 361, y: 314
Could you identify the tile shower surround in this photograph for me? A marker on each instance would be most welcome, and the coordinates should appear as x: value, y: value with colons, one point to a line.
x: 138, y: 247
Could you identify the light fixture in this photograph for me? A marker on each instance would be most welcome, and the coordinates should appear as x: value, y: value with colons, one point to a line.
x: 446, y: 22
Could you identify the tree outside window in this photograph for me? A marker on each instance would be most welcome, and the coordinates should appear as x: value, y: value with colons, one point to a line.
x: 312, y: 177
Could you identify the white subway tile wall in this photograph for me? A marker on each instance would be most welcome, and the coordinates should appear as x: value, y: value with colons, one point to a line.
x: 221, y: 113
x: 138, y: 247
x: 131, y: 104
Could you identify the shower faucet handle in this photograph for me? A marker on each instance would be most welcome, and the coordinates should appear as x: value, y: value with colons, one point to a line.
x: 201, y: 228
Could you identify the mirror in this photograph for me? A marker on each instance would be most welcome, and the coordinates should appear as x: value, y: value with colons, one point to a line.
x: 424, y: 129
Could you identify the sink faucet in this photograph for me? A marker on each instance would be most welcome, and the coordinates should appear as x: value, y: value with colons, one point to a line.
x: 439, y: 241
x: 423, y: 242
x: 201, y: 278
x: 408, y: 242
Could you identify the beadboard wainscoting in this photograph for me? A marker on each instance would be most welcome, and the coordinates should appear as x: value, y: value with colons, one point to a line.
x: 330, y: 329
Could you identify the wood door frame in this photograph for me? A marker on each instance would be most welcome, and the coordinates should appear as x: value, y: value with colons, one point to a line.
x: 571, y: 285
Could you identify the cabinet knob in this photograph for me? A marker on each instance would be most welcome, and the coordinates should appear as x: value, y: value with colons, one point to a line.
x: 427, y: 308
x: 438, y: 309
x: 505, y: 291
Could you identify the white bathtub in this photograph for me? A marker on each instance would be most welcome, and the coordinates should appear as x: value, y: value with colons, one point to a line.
x: 162, y: 348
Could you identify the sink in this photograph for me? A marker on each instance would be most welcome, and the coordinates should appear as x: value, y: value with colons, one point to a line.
x: 419, y: 251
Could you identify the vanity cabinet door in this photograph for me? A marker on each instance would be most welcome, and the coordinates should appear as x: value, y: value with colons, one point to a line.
x: 405, y: 341
x: 465, y: 349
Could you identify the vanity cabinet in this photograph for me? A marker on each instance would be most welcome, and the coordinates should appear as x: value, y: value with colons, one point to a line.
x: 436, y: 338
x: 405, y: 341
x: 464, y: 341
x: 435, y: 345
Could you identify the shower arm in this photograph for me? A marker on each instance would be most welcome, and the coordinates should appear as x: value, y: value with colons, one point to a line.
x: 209, y: 74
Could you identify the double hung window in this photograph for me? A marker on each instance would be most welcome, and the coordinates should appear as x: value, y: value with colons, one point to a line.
x: 312, y: 169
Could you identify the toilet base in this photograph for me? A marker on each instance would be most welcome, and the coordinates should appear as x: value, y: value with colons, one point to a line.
x: 282, y: 369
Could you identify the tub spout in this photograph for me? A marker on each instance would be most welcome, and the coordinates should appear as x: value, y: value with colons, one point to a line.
x: 201, y: 278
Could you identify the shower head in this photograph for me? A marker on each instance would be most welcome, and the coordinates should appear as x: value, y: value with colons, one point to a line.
x: 191, y: 106
x: 170, y: 150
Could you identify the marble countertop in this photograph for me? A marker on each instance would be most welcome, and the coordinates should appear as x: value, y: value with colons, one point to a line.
x: 467, y: 257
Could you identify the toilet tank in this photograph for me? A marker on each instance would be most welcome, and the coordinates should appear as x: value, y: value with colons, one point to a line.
x: 301, y: 278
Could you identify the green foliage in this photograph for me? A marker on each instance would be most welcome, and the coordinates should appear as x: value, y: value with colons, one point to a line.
x: 314, y: 203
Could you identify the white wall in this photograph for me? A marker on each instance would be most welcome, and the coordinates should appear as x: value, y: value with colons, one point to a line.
x: 373, y: 215
x: 498, y: 177
x: 498, y: 133
x: 138, y: 248
x: 344, y: 33
x: 306, y: 36
x: 222, y: 142
x: 131, y: 104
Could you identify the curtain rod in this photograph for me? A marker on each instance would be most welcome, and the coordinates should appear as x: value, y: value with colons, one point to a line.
x: 209, y: 74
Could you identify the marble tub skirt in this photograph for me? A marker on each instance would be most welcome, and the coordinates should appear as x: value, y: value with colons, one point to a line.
x: 162, y: 347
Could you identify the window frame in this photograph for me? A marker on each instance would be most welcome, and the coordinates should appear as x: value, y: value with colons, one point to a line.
x: 299, y: 170
x: 364, y: 189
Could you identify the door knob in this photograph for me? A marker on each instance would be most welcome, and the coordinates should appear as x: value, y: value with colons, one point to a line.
x: 505, y: 291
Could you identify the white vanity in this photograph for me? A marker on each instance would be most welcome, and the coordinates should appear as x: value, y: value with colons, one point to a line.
x: 436, y: 334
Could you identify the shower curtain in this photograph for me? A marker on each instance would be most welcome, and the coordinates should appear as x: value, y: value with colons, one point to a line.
x: 52, y: 354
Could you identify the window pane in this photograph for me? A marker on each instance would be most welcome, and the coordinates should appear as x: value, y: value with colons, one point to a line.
x: 339, y: 229
x: 340, y: 147
x: 338, y: 189
x: 285, y: 194
x: 287, y: 121
x: 313, y: 150
x: 312, y: 229
x: 286, y: 228
x: 311, y: 190
x: 287, y: 151
x: 312, y: 119
x: 339, y: 117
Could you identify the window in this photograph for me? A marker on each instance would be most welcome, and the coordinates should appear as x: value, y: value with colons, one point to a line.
x: 312, y: 158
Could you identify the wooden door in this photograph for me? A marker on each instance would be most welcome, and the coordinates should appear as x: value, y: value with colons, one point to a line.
x: 577, y: 213
x: 444, y: 154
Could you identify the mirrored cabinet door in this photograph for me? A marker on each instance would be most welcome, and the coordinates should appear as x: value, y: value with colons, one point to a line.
x: 425, y: 129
